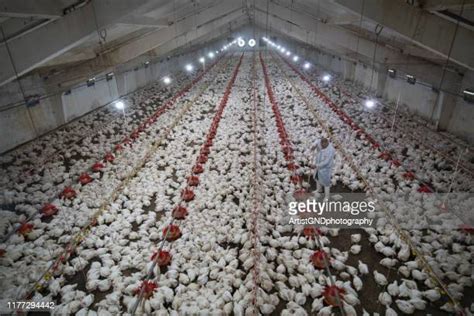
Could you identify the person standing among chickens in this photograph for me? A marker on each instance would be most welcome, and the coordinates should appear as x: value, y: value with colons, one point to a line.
x: 323, y: 163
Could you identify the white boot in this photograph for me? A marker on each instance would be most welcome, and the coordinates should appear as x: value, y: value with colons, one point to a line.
x: 319, y: 187
x: 319, y: 190
x: 326, y: 192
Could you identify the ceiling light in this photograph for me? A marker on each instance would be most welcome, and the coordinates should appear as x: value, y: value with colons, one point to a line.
x: 119, y: 105
x: 91, y: 82
x: 240, y: 42
x: 167, y: 80
x: 283, y: 50
x: 468, y: 95
x: 370, y: 103
x: 295, y: 58
x: 392, y: 73
x: 210, y: 55
x: 109, y: 76
x: 288, y: 53
x: 326, y: 78
x: 411, y: 79
x: 189, y: 67
x: 307, y: 65
x: 252, y: 42
x: 202, y: 60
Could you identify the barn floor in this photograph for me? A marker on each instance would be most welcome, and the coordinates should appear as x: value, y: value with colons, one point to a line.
x: 179, y: 206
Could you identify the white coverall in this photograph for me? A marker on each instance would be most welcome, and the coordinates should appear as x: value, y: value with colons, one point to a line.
x: 324, y: 162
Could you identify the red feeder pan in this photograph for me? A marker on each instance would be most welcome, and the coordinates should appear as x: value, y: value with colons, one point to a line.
x: 385, y: 156
x: 193, y: 181
x: 425, y: 189
x: 109, y: 157
x: 292, y: 166
x: 295, y: 179
x: 49, y: 210
x: 396, y: 163
x: 97, y: 167
x: 85, y: 179
x: 163, y: 258
x: 2, y: 253
x: 409, y: 175
x: 180, y: 212
x: 25, y: 229
x: 68, y: 193
x: 135, y: 135
x: 311, y: 232
x: 300, y: 194
x: 188, y: 195
x: 332, y: 294
x: 174, y: 232
x: 468, y: 229
x: 202, y: 159
x: 148, y: 287
x: 318, y: 259
x: 118, y: 147
x: 198, y: 169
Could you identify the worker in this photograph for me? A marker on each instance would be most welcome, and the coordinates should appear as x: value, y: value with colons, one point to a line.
x: 323, y: 164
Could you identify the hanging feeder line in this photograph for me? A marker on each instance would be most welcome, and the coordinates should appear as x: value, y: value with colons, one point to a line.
x: 423, y: 144
x: 256, y: 193
x: 84, y: 178
x: 385, y: 154
x: 419, y: 254
x: 386, y: 120
x: 204, y: 152
x: 91, y: 134
x: 284, y: 141
x: 150, y: 275
x: 77, y: 239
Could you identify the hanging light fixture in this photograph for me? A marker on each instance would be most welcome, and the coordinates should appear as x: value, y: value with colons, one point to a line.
x: 166, y: 80
x: 120, y: 105
x: 369, y: 103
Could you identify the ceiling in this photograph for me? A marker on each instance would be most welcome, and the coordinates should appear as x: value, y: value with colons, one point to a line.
x: 67, y: 40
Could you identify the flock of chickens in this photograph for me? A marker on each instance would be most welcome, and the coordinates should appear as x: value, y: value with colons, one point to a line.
x: 179, y: 207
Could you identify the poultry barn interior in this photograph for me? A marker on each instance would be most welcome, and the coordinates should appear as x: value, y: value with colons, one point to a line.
x: 257, y: 157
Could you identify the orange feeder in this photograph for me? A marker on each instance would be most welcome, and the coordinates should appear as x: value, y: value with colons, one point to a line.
x: 198, y: 169
x: 49, y: 210
x: 311, y: 232
x: 318, y: 259
x: 188, y: 195
x: 25, y: 229
x: 97, y: 167
x: 147, y: 287
x: 295, y: 179
x: 332, y: 294
x: 173, y: 234
x: 162, y: 257
x: 180, y: 212
x: 85, y: 178
x: 193, y: 181
x: 68, y: 193
x: 109, y: 157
